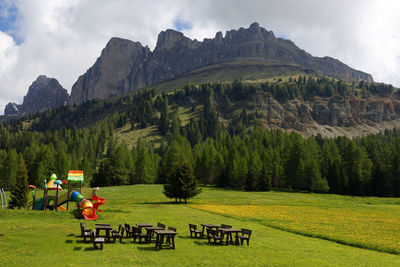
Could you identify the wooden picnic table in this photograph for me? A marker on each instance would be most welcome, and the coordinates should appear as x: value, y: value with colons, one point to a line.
x: 210, y: 226
x: 165, y: 233
x: 228, y: 232
x: 150, y: 231
x: 144, y: 225
x: 106, y: 227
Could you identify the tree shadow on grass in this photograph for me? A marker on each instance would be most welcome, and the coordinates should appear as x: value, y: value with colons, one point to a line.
x: 90, y: 249
x: 77, y: 248
x: 69, y: 241
x: 71, y: 235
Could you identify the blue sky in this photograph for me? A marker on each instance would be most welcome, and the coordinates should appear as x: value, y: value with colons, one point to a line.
x: 181, y: 25
x: 9, y: 20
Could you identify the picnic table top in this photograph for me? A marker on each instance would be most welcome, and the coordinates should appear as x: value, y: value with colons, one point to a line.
x: 165, y: 232
x: 153, y: 228
x: 144, y: 224
x: 210, y: 225
x: 102, y: 226
x: 226, y: 230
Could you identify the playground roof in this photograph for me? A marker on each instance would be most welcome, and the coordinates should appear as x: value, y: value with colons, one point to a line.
x: 75, y: 176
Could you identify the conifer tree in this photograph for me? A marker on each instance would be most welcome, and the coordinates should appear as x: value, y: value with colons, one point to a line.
x: 19, y: 195
x: 181, y: 183
x: 179, y: 150
x: 87, y: 170
x: 9, y: 171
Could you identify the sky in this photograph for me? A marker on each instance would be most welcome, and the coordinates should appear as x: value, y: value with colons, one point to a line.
x: 63, y: 38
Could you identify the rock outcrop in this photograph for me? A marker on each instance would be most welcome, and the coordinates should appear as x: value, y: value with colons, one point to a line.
x: 332, y: 116
x: 12, y: 108
x: 43, y: 94
x: 125, y: 65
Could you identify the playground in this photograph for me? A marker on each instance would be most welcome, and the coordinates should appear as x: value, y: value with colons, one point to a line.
x: 55, y: 197
x: 40, y: 238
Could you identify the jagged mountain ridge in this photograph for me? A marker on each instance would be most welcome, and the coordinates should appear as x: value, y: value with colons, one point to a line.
x: 125, y: 65
x: 44, y: 93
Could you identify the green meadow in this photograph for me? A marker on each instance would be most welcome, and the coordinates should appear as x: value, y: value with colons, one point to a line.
x: 289, y: 229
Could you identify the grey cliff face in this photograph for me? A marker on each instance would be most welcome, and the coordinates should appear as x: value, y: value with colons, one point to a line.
x: 332, y: 116
x: 43, y: 94
x: 11, y: 109
x: 125, y: 65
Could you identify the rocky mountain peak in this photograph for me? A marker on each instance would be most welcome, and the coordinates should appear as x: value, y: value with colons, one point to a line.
x: 44, y: 93
x: 254, y: 25
x: 12, y: 108
x: 125, y: 65
x: 170, y: 38
x: 41, y: 82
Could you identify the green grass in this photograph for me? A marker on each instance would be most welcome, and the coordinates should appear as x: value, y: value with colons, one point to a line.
x: 38, y: 238
x: 151, y: 133
x: 130, y: 137
x: 249, y: 70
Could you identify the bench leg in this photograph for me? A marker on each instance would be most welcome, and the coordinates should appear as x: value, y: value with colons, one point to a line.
x: 157, y: 240
x: 161, y: 241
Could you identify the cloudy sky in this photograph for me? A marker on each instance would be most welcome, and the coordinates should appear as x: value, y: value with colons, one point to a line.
x: 63, y: 38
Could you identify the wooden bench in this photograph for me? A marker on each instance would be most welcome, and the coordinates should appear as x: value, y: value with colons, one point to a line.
x: 213, y: 234
x: 193, y: 230
x: 169, y: 234
x: 137, y: 233
x: 98, y: 242
x: 128, y: 230
x: 171, y: 238
x: 244, y: 235
x: 85, y: 233
x: 118, y: 233
x: 161, y: 225
x: 224, y: 226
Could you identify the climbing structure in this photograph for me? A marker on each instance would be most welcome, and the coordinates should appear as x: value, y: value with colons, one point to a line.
x: 85, y: 202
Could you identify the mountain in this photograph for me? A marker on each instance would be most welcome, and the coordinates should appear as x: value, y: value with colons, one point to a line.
x: 43, y: 94
x: 125, y: 65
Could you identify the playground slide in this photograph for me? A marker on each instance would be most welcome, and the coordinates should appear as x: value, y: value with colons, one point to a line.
x: 88, y: 207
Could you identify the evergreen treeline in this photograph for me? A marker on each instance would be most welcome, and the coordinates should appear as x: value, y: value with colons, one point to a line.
x: 257, y: 160
x: 237, y: 154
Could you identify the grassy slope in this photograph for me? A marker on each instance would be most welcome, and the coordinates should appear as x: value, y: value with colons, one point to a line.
x: 38, y: 238
x: 151, y: 133
x: 246, y: 70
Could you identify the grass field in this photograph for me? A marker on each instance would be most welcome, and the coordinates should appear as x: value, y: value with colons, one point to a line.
x: 38, y: 238
x: 151, y: 133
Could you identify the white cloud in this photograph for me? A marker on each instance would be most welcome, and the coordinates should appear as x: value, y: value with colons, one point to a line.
x: 63, y: 38
x: 8, y: 59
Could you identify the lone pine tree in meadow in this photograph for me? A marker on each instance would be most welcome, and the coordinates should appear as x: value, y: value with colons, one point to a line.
x: 181, y: 183
x: 19, y: 195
